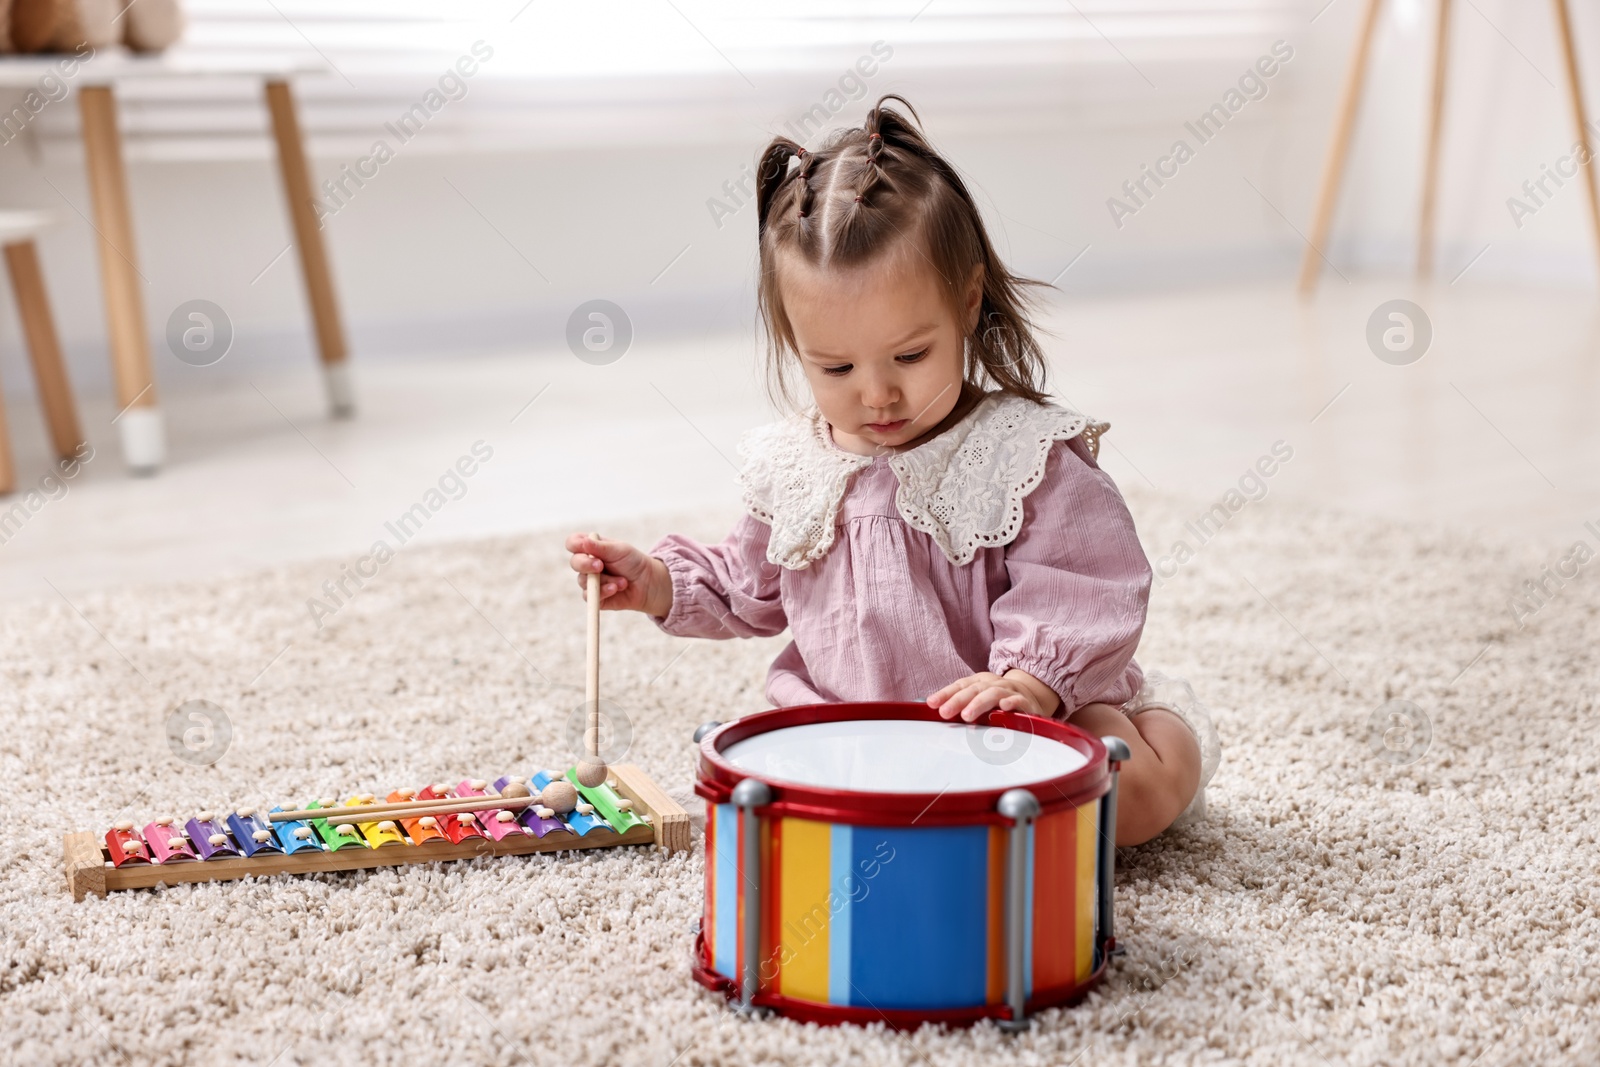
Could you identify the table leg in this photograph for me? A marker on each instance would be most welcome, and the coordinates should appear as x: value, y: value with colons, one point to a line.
x: 8, y: 475
x: 44, y: 349
x: 139, y: 420
x: 313, y: 256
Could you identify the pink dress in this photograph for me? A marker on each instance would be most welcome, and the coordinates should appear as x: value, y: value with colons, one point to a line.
x: 998, y: 544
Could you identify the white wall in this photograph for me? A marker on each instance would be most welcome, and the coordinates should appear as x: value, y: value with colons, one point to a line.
x: 420, y: 271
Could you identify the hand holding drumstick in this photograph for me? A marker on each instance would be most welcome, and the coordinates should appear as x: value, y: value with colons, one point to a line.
x: 629, y: 579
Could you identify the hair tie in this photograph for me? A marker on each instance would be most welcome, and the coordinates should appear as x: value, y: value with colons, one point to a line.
x: 858, y: 198
x: 870, y: 136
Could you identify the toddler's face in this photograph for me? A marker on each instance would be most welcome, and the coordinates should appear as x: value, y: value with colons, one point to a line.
x: 880, y: 348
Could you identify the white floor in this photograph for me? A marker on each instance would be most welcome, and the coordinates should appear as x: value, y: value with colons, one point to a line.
x: 1494, y: 428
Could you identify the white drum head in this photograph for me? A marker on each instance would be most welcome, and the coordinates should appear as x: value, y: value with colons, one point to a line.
x: 903, y: 756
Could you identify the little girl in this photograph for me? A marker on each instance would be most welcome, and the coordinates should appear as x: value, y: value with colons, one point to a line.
x: 931, y: 527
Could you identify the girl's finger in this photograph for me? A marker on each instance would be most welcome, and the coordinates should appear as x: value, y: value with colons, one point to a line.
x: 587, y: 564
x: 609, y: 551
x: 950, y: 708
x: 986, y: 700
x: 960, y: 700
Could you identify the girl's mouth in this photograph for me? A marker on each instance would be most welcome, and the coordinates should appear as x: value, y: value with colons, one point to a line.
x: 886, y: 427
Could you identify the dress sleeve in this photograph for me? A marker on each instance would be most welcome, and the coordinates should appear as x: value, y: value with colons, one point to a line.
x: 1080, y: 586
x: 723, y: 590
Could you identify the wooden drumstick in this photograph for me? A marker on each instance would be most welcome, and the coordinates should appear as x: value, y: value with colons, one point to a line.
x: 591, y: 770
x: 396, y: 807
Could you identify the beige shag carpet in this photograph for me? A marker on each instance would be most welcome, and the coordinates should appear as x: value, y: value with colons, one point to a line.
x: 1421, y: 899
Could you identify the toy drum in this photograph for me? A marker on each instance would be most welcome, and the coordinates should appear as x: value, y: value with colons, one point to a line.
x: 873, y: 862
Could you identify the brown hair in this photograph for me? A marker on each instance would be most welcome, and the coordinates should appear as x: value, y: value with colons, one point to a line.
x: 866, y: 192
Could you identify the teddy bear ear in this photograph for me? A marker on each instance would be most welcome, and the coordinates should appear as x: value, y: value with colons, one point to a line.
x: 151, y: 25
x: 30, y: 25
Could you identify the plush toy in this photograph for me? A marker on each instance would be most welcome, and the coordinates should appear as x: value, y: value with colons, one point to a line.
x: 151, y: 25
x: 69, y: 25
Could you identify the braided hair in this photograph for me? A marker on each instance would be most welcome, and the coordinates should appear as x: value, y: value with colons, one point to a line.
x: 864, y: 194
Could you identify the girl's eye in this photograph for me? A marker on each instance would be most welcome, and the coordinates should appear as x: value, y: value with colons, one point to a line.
x: 912, y: 357
x: 838, y: 372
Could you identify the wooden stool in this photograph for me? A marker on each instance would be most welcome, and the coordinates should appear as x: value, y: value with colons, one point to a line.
x: 17, y: 230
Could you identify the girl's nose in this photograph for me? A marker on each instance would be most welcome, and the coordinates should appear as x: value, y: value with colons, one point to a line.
x: 879, y: 395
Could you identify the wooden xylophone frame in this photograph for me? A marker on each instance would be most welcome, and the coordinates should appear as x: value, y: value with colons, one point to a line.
x: 89, y: 868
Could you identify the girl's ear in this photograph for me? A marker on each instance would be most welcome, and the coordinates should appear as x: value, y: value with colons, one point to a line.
x: 972, y: 300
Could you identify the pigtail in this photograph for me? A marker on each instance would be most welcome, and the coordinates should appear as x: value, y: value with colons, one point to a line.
x: 872, y: 174
x: 772, y: 175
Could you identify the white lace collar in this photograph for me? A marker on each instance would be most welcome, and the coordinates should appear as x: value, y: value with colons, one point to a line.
x: 964, y: 488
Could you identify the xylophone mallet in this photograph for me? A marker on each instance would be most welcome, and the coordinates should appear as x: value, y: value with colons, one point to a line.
x: 557, y: 798
x: 591, y: 769
x: 558, y: 795
x: 443, y: 806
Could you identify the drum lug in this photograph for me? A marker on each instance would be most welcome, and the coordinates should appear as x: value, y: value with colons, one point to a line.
x: 1021, y: 807
x: 749, y: 795
x: 703, y: 729
x: 1117, y: 753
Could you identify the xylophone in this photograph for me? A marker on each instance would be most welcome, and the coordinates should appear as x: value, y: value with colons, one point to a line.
x: 510, y: 816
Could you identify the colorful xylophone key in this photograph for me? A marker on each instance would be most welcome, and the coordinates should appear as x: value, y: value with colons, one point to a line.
x: 422, y: 829
x: 379, y: 832
x: 209, y: 836
x: 617, y: 810
x: 125, y: 845
x: 166, y: 842
x: 252, y: 832
x: 295, y: 835
x: 458, y: 828
x: 334, y: 837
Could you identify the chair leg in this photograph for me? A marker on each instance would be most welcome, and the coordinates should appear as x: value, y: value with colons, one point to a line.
x: 49, y: 370
x: 1569, y: 56
x: 1338, y: 149
x: 143, y: 439
x: 313, y: 256
x: 1430, y: 173
x: 8, y: 474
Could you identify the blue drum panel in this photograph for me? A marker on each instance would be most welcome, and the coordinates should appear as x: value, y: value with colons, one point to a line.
x: 919, y: 917
x: 725, y: 943
x: 843, y: 879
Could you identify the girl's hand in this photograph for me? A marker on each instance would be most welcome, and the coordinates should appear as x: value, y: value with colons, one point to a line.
x: 629, y: 579
x: 976, y: 694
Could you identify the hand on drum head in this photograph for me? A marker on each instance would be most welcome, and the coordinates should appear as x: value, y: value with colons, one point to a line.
x: 978, y: 694
x: 629, y: 579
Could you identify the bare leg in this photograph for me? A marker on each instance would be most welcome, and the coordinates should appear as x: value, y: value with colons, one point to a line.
x: 1161, y: 778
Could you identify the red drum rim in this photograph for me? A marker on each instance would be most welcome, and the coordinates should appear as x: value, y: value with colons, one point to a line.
x: 717, y: 776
